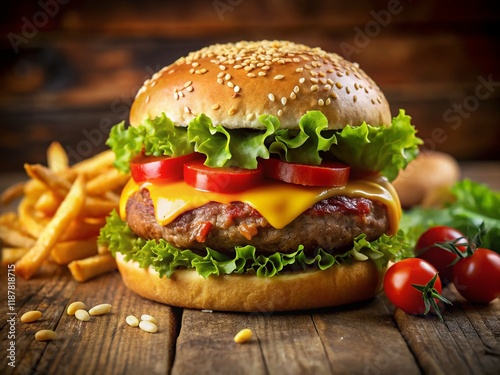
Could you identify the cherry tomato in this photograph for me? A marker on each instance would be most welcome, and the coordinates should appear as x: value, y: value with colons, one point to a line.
x: 477, y: 277
x: 221, y: 180
x: 334, y: 174
x: 440, y: 258
x: 399, y: 280
x: 161, y: 168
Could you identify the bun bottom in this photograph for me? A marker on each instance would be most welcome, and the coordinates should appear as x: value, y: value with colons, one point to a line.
x: 338, y: 285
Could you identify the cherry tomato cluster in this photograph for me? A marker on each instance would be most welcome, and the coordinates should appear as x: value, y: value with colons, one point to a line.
x: 191, y: 168
x: 443, y: 254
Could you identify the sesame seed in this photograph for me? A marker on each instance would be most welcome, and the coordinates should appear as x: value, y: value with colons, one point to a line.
x: 191, y: 71
x: 250, y: 116
x: 251, y: 75
x: 314, y: 73
x: 339, y: 74
x: 321, y: 102
x: 187, y: 109
x: 153, y: 84
x: 356, y: 86
x: 313, y: 80
x: 279, y: 76
x: 215, y: 107
x: 248, y: 68
x: 373, y: 102
x: 330, y: 70
x: 227, y: 77
x: 322, y: 74
x: 266, y: 67
x: 366, y: 90
x: 238, y: 66
x: 296, y: 59
x: 299, y: 70
x: 261, y: 74
x: 176, y: 96
x: 296, y: 89
x: 220, y: 81
x: 195, y: 64
x: 307, y: 66
x: 283, y: 100
x: 334, y: 96
x: 190, y: 88
x: 147, y: 99
x: 347, y: 90
x: 338, y: 84
x: 280, y: 112
x: 327, y: 87
x: 271, y: 97
x: 222, y: 67
x: 302, y: 80
x: 236, y: 89
x: 181, y: 94
x: 314, y: 87
x: 293, y: 96
x: 188, y: 83
x: 230, y: 84
x: 328, y: 101
x: 232, y: 111
x: 330, y: 81
x: 220, y: 74
x: 355, y: 98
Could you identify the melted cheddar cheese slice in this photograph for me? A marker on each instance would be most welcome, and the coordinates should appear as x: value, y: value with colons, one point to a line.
x: 278, y: 202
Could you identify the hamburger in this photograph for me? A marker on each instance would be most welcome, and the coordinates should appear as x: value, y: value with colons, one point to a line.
x: 260, y: 181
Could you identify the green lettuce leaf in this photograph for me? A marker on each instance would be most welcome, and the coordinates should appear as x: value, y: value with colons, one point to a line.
x: 474, y: 204
x: 165, y: 258
x: 305, y: 146
x: 383, y: 149
x: 156, y: 137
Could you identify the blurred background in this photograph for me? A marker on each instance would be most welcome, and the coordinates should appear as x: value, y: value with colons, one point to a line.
x: 71, y: 68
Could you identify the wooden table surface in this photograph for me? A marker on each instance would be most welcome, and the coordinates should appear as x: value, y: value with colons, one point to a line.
x: 366, y: 338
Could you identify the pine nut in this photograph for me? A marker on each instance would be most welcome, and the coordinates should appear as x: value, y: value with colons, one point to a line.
x: 243, y: 336
x: 75, y: 306
x: 101, y: 309
x: 82, y: 315
x: 149, y: 318
x: 132, y: 321
x: 148, y: 326
x: 31, y: 316
x: 45, y: 335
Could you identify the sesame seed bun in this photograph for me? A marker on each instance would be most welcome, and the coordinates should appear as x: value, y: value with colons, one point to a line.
x: 335, y: 286
x: 234, y: 84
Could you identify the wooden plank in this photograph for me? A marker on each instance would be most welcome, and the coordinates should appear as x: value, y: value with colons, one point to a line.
x: 466, y: 343
x: 283, y: 344
x: 105, y: 344
x: 362, y: 339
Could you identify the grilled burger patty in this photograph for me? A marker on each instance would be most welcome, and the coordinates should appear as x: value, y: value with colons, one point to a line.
x: 332, y: 224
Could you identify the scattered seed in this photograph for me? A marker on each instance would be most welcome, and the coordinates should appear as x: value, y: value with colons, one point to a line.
x: 148, y: 326
x: 314, y: 87
x: 83, y: 315
x: 215, y: 107
x: 31, y: 316
x: 132, y: 321
x: 271, y: 97
x: 279, y: 76
x: 101, y: 309
x: 283, y: 100
x: 78, y: 305
x: 236, y: 89
x: 149, y: 318
x: 45, y: 335
x: 243, y: 336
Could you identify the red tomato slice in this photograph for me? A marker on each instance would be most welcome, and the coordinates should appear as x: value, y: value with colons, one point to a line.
x: 161, y: 168
x: 329, y: 173
x: 221, y: 180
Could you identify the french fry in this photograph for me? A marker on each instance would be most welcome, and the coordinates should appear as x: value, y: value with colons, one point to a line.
x: 48, y: 203
x: 57, y: 184
x: 108, y: 181
x: 9, y: 219
x: 68, y: 251
x: 14, y: 237
x: 98, y: 207
x: 32, y: 224
x: 82, y: 229
x: 11, y: 255
x: 12, y: 192
x: 85, y: 269
x: 57, y: 158
x: 66, y: 213
x: 95, y: 165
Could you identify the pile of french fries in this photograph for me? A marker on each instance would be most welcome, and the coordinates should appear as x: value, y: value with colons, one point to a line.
x: 60, y: 213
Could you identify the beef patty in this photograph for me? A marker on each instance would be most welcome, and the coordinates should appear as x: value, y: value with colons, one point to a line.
x: 330, y: 224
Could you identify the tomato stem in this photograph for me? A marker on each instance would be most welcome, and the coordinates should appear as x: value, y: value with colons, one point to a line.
x: 429, y: 295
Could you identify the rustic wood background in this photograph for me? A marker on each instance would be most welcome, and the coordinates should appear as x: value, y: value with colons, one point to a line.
x: 70, y: 68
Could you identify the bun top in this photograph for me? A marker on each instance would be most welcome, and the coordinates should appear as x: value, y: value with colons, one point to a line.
x: 234, y: 84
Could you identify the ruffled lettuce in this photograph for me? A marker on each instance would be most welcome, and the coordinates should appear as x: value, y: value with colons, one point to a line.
x: 166, y: 259
x: 382, y: 149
